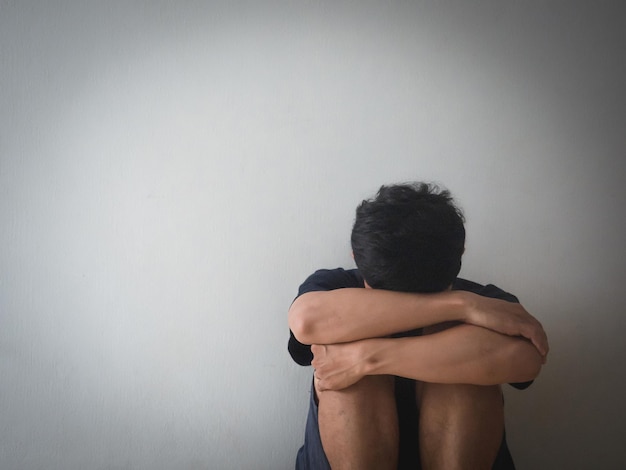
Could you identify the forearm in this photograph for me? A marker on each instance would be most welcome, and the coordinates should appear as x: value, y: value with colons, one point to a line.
x: 345, y: 315
x: 463, y: 354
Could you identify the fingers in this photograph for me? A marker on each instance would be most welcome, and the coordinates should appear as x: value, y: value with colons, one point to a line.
x: 321, y: 382
x: 320, y: 385
x: 532, y: 329
x: 318, y: 353
x: 536, y: 334
x: 316, y: 378
x: 317, y: 363
x: 541, y: 339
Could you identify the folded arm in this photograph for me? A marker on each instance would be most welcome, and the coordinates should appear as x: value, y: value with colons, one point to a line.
x: 463, y: 354
x: 351, y: 314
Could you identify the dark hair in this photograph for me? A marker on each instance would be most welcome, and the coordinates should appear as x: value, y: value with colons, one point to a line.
x: 410, y: 238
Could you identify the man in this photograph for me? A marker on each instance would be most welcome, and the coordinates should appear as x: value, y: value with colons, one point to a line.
x: 408, y: 359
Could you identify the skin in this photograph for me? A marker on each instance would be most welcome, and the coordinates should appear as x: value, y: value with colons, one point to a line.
x: 348, y: 315
x: 463, y: 354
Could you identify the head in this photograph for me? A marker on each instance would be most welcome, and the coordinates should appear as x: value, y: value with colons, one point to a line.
x: 410, y: 237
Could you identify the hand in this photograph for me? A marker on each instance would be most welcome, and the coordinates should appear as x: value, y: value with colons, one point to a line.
x: 337, y: 366
x: 507, y: 318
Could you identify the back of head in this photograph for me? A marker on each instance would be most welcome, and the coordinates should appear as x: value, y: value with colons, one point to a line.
x: 410, y: 238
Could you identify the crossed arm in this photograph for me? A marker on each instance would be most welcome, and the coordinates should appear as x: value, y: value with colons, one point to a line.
x: 496, y: 342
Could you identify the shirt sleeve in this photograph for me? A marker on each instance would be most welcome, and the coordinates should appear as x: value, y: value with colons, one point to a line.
x: 321, y: 280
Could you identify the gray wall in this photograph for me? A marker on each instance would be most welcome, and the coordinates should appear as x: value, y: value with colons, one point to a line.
x: 170, y: 173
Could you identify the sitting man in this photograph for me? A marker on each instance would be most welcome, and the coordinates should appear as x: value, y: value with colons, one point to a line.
x: 408, y: 359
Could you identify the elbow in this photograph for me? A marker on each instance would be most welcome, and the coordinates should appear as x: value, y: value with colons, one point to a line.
x: 301, y: 319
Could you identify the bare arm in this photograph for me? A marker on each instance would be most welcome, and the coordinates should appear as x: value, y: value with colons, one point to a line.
x: 350, y: 314
x: 462, y: 354
x: 345, y: 315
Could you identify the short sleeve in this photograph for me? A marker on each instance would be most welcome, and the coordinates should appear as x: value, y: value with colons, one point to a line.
x: 330, y: 279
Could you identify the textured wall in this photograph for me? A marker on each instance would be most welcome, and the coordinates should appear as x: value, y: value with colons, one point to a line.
x: 169, y: 173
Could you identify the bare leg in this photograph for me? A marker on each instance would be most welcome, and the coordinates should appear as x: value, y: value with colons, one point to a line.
x: 359, y: 425
x: 461, y: 426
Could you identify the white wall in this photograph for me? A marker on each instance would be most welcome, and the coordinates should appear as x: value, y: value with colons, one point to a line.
x: 170, y: 173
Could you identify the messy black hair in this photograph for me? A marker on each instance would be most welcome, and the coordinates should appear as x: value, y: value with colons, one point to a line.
x: 410, y: 237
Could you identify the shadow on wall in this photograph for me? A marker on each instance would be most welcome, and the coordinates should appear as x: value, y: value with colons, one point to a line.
x: 564, y: 401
